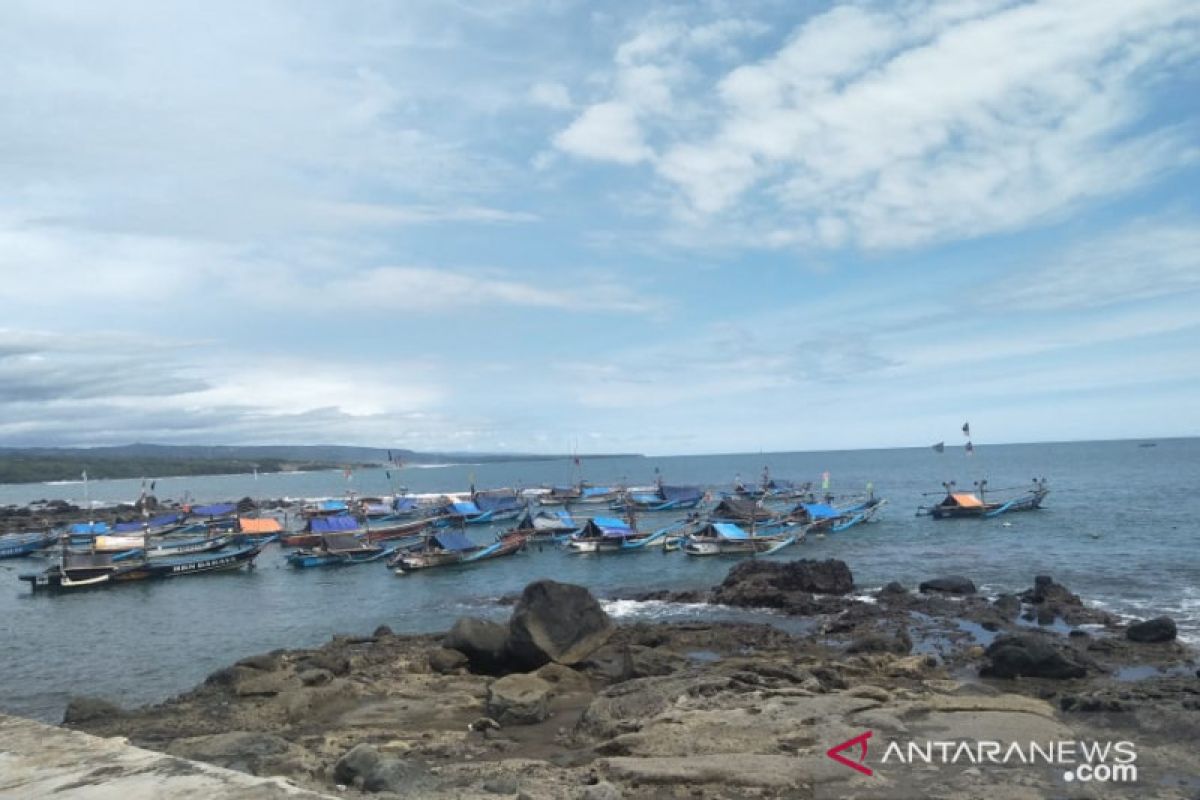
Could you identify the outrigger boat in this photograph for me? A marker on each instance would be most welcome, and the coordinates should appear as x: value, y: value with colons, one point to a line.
x: 958, y: 504
x: 77, y: 570
x: 826, y: 518
x: 15, y: 545
x: 338, y: 550
x: 163, y: 549
x: 612, y: 535
x: 391, y: 529
x: 317, y: 527
x: 545, y: 526
x: 727, y: 539
x: 259, y: 530
x: 448, y: 548
x: 661, y: 498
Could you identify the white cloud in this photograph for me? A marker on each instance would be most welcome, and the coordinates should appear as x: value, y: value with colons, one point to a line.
x: 605, y: 132
x: 550, y: 95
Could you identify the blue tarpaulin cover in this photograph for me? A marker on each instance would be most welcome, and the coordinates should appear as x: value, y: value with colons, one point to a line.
x: 675, y: 494
x: 593, y: 491
x: 332, y: 505
x: 217, y: 510
x: 126, y: 527
x: 334, y: 524
x: 405, y: 503
x: 611, y: 526
x: 465, y: 509
x: 497, y: 501
x: 453, y: 540
x: 89, y: 528
x: 164, y: 519
x: 821, y: 510
x: 727, y: 530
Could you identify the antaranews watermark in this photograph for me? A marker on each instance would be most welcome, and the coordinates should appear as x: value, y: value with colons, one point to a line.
x: 1084, y: 760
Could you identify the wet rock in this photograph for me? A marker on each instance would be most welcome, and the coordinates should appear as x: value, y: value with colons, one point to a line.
x: 949, y: 584
x: 90, y: 709
x: 481, y: 641
x: 788, y: 585
x: 895, y: 587
x: 445, y: 661
x: 1029, y: 656
x: 558, y: 622
x: 518, y: 699
x: 878, y: 643
x: 1046, y: 592
x: 253, y: 752
x: 484, y: 724
x: 1046, y: 616
x: 1159, y: 629
x: 381, y: 632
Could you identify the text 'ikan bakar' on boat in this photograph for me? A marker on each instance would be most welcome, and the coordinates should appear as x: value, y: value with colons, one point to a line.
x: 978, y: 505
x: 79, y: 570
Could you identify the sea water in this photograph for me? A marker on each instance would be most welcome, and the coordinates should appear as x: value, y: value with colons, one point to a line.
x: 1120, y: 528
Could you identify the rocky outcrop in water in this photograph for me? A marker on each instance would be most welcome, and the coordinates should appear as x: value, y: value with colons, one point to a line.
x: 950, y: 584
x: 1030, y: 656
x: 557, y: 622
x: 788, y: 585
x: 1159, y: 629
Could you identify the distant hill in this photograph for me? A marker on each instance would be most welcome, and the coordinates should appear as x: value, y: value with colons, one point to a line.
x: 37, y: 464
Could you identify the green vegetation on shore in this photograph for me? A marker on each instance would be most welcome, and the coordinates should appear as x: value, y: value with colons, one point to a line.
x: 39, y: 469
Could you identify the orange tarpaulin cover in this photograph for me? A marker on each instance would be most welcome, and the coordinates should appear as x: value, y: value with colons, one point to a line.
x: 267, y: 525
x: 967, y: 500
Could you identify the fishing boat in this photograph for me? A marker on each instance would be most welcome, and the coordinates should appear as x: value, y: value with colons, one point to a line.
x: 163, y: 548
x: 728, y: 539
x: 15, y: 545
x: 259, y: 530
x: 743, y: 511
x: 77, y: 570
x: 500, y: 504
x: 160, y: 525
x: 391, y: 528
x: 661, y: 498
x: 325, y: 508
x: 338, y: 550
x: 317, y: 527
x: 957, y: 505
x: 612, y: 535
x: 582, y: 493
x: 458, y: 513
x: 448, y: 548
x: 544, y: 526
x: 827, y: 518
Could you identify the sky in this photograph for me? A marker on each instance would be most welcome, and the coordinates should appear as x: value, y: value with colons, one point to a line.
x: 625, y: 227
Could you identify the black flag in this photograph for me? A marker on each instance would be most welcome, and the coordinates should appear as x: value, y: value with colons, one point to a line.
x: 966, y: 429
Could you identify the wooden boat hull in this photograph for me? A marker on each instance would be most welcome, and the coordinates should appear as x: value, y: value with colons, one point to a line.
x: 17, y: 547
x: 132, y: 571
x: 407, y: 561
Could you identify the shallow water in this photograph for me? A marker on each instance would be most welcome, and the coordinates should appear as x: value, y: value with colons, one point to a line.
x: 1119, y: 529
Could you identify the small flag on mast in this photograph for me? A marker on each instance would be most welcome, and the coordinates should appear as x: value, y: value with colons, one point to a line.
x: 825, y: 480
x: 966, y: 429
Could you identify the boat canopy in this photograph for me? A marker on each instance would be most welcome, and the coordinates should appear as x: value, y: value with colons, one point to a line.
x: 339, y: 523
x: 332, y: 505
x: 727, y: 530
x: 126, y: 527
x: 453, y: 540
x: 610, y: 526
x: 740, y: 508
x: 596, y: 491
x: 263, y: 525
x: 462, y: 509
x: 497, y: 500
x: 338, y: 542
x: 215, y: 510
x: 376, y: 508
x: 646, y: 498
x: 678, y: 494
x: 88, y: 528
x: 164, y: 519
x: 405, y: 504
x: 966, y: 500
x: 821, y: 510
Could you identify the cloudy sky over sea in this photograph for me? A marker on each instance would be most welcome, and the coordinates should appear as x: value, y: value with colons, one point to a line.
x: 666, y: 228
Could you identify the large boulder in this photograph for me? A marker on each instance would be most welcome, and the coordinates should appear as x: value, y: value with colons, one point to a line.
x: 445, y: 661
x: 772, y: 584
x: 481, y: 641
x: 1159, y: 629
x: 1046, y: 592
x: 519, y: 699
x: 558, y: 622
x: 949, y: 584
x: 90, y: 709
x: 1030, y: 656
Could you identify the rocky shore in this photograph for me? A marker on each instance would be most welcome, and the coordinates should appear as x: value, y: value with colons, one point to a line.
x: 563, y: 703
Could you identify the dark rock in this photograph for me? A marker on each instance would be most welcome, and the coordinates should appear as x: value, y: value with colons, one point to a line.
x: 381, y: 632
x: 1008, y: 606
x: 364, y: 768
x: 1078, y: 634
x: 90, y: 709
x: 1046, y: 616
x: 444, y: 661
x: 558, y: 622
x: 1046, y: 592
x: 481, y: 641
x: 950, y: 584
x: 315, y: 677
x: 501, y: 785
x: 1159, y: 629
x: 894, y: 587
x: 267, y: 662
x: 1029, y: 656
x: 788, y: 585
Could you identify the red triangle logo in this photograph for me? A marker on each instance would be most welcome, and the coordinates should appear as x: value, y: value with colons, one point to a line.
x: 835, y: 753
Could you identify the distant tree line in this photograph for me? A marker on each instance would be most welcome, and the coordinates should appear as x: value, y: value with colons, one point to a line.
x: 41, y: 468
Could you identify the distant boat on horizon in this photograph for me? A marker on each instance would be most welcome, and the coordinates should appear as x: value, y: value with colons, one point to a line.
x: 1148, y: 444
